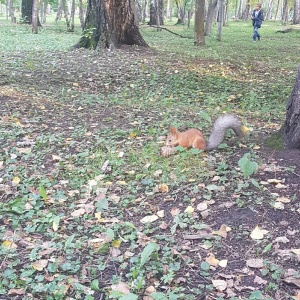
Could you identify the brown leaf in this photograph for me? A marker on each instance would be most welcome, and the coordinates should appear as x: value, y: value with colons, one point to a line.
x: 13, y: 292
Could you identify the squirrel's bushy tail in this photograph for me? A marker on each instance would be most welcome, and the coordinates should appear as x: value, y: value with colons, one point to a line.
x: 228, y: 121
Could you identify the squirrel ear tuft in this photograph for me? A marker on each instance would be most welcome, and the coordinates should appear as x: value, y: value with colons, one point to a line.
x: 173, y: 130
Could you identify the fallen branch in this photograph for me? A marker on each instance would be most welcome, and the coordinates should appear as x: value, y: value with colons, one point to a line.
x: 159, y: 27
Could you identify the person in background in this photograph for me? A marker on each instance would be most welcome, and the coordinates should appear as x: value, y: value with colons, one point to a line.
x: 257, y: 19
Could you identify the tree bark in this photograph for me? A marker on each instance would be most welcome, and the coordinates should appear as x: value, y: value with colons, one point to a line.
x: 27, y: 11
x: 296, y: 16
x: 156, y: 12
x: 110, y: 23
x: 190, y: 13
x: 285, y: 12
x: 220, y: 19
x: 181, y: 10
x: 291, y: 128
x: 210, y: 16
x: 35, y: 14
x: 11, y: 11
x: 81, y: 13
x: 72, y: 16
x: 199, y: 23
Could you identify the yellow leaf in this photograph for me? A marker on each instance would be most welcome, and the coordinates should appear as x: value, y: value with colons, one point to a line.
x: 116, y: 243
x: 75, y: 84
x: 163, y: 188
x: 121, y: 182
x: 39, y: 265
x: 189, y: 209
x: 55, y: 224
x: 223, y: 263
x: 9, y: 245
x: 222, y: 231
x: 132, y: 135
x: 16, y: 180
x: 98, y: 216
x: 212, y: 260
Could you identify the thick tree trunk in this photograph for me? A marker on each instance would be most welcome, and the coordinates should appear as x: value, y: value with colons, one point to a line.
x: 110, y: 23
x: 246, y: 12
x: 210, y: 16
x: 27, y: 11
x: 181, y: 11
x: 199, y: 23
x: 291, y: 129
x: 296, y: 16
x: 35, y: 14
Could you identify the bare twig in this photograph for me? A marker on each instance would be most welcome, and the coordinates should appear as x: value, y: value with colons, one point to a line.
x: 182, y: 36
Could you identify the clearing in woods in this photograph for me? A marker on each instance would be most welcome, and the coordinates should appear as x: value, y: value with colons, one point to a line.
x: 86, y: 198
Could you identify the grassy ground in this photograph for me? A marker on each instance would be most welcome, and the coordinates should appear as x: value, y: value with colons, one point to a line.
x: 88, y: 205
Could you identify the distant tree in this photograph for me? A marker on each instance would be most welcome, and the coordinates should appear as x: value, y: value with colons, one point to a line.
x: 156, y: 12
x: 220, y: 19
x: 296, y: 16
x: 211, y: 11
x: 199, y: 23
x: 26, y: 12
x: 291, y: 128
x: 35, y: 15
x: 110, y: 23
x: 181, y: 10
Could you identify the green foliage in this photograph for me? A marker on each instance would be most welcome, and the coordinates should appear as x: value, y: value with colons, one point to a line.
x: 247, y: 166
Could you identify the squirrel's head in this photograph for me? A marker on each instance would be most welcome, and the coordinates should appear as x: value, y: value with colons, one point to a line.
x: 172, y: 137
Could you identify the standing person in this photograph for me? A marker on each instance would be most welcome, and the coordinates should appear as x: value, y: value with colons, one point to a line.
x: 257, y: 19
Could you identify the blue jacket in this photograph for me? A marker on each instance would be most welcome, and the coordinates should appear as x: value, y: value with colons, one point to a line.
x: 257, y: 21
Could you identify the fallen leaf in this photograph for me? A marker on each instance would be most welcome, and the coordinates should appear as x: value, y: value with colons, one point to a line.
x: 79, y: 212
x: 56, y: 158
x: 256, y: 263
x: 278, y: 205
x: 282, y: 239
x: 16, y: 180
x: 161, y: 213
x: 258, y: 234
x: 220, y: 285
x: 116, y: 243
x: 259, y: 280
x: 189, y: 209
x: 149, y: 219
x: 202, y: 206
x: 222, y: 231
x: 212, y: 260
x: 223, y: 263
x: 9, y: 245
x: 283, y: 200
x: 121, y: 287
x: 175, y: 211
x: 163, y: 188
x: 39, y: 265
x: 13, y: 292
x: 24, y: 150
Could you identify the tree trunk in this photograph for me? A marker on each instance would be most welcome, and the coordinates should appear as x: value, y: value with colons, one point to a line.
x: 285, y: 12
x: 291, y: 129
x: 246, y: 12
x: 199, y: 23
x: 72, y: 16
x: 59, y: 11
x: 35, y: 14
x: 11, y: 11
x: 110, y: 23
x: 27, y: 11
x: 277, y: 9
x: 156, y: 12
x: 226, y: 13
x: 210, y: 16
x: 190, y: 13
x: 269, y: 11
x: 296, y: 16
x: 181, y: 9
x: 220, y: 19
x: 43, y: 11
x: 81, y: 14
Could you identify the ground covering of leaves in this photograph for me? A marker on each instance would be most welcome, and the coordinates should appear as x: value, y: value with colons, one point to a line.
x: 91, y: 210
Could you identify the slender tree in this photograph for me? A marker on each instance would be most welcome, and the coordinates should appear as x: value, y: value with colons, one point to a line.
x: 72, y: 16
x: 220, y: 19
x: 35, y: 14
x: 156, y: 12
x: 210, y: 16
x: 110, y: 23
x: 199, y: 23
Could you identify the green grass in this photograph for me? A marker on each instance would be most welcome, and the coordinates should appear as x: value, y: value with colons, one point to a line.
x: 64, y: 114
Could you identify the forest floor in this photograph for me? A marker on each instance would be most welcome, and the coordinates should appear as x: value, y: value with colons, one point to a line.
x: 91, y: 210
